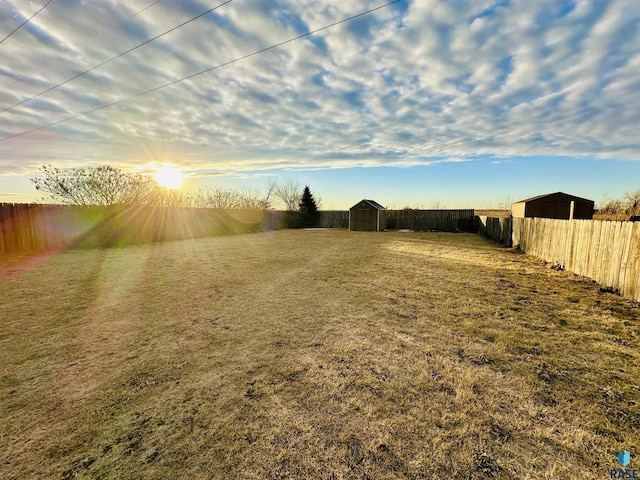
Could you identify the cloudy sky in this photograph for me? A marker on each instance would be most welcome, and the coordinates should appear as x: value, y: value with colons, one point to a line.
x: 421, y: 103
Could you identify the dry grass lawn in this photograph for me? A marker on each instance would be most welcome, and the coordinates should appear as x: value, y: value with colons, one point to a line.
x: 313, y: 354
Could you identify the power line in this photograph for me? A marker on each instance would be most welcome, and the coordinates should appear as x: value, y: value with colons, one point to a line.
x: 91, y: 39
x: 145, y: 8
x: 26, y: 21
x: 114, y: 58
x: 210, y: 69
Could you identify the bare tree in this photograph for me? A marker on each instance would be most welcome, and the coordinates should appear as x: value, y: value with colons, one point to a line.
x: 506, y: 203
x: 289, y: 192
x: 614, y: 206
x: 270, y: 192
x: 95, y: 186
x: 223, y: 198
x: 632, y: 202
x: 226, y: 198
x: 252, y: 198
x: 167, y: 197
x: 617, y: 209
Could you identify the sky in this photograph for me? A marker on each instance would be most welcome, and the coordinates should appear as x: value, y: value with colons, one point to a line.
x: 424, y: 104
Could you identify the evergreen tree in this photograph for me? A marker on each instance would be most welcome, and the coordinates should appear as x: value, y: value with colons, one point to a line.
x: 309, y: 214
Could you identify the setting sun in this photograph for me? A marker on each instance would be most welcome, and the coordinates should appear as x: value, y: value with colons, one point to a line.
x: 169, y: 177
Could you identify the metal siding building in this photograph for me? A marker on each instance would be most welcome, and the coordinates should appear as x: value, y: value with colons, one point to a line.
x: 368, y: 216
x: 554, y: 205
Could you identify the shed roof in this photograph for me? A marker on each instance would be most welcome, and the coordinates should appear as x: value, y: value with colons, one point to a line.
x: 538, y: 197
x: 373, y: 203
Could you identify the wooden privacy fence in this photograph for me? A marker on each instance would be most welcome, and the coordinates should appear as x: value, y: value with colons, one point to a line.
x: 34, y: 227
x: 608, y: 252
x: 428, y: 220
x: 334, y: 219
x: 293, y: 219
x: 26, y: 227
x: 417, y: 220
x: 496, y: 228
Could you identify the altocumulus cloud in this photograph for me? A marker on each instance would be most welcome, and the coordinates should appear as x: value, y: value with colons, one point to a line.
x: 418, y: 82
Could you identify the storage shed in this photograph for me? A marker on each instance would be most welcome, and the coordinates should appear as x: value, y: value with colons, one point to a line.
x: 554, y: 205
x: 367, y: 215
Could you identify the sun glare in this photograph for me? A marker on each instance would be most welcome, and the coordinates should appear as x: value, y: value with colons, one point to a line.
x: 169, y: 177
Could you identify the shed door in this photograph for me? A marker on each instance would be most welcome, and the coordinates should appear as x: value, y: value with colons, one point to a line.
x: 360, y: 220
x: 364, y: 220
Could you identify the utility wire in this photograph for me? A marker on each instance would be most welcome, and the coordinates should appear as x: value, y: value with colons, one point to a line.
x: 114, y: 58
x: 46, y: 64
x: 26, y: 21
x: 145, y: 8
x: 210, y: 69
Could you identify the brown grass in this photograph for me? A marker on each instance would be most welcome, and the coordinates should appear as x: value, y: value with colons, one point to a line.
x: 613, y: 217
x: 313, y: 354
x: 501, y: 213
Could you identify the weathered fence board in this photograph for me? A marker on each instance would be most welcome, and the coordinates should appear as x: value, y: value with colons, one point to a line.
x: 35, y: 227
x: 27, y: 227
x: 496, y: 228
x: 608, y: 252
x: 334, y: 219
x: 461, y: 220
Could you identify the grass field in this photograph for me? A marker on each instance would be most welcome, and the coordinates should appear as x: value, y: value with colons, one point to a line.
x: 313, y: 354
